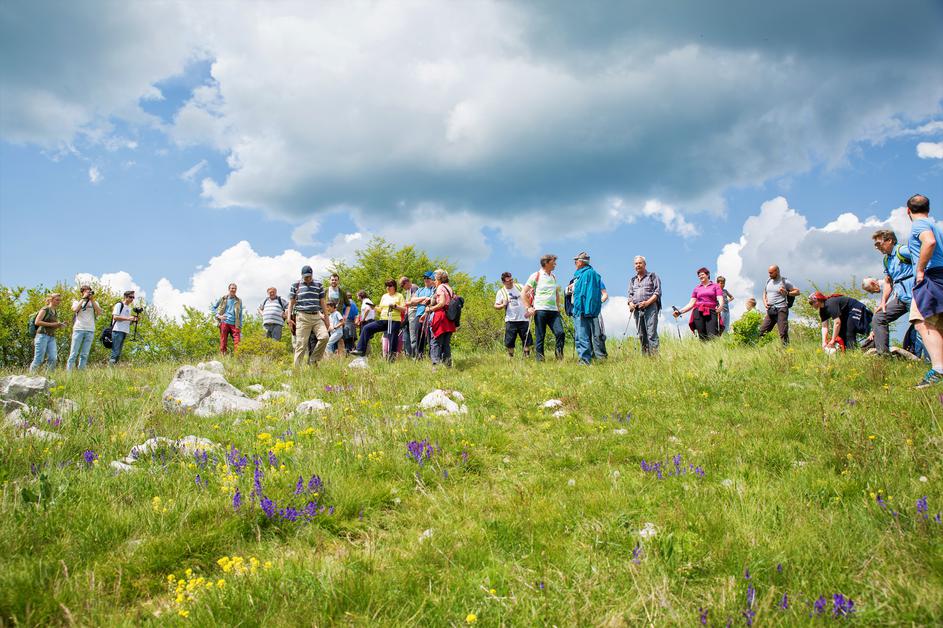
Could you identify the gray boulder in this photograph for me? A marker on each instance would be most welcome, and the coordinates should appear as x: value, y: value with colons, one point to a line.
x: 312, y: 405
x: 9, y: 405
x: 22, y: 387
x: 205, y: 393
x: 214, y: 366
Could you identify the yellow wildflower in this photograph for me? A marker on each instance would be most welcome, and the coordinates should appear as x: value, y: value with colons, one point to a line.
x: 471, y: 618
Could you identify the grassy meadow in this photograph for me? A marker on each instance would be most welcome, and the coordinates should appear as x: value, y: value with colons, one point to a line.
x: 705, y: 485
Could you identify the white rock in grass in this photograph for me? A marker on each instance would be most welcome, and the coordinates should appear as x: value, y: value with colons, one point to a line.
x: 186, y: 446
x: 286, y: 386
x: 218, y: 402
x: 214, y: 366
x: 21, y: 417
x: 571, y: 482
x: 457, y: 396
x: 620, y: 431
x: 270, y: 395
x: 559, y: 414
x: 551, y: 403
x: 443, y: 402
x: 41, y: 434
x: 22, y: 387
x: 426, y: 535
x: 256, y: 388
x: 358, y: 363
x: 9, y: 405
x: 923, y: 479
x: 205, y: 393
x: 727, y: 483
x: 648, y: 530
x: 121, y: 467
x: 312, y: 405
x: 191, y: 444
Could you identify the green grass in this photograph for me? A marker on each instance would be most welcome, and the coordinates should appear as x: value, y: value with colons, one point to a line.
x: 536, y: 527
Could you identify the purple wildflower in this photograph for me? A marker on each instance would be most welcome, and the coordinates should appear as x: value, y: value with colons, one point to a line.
x: 236, y: 460
x: 199, y: 481
x: 464, y: 456
x: 937, y: 518
x: 330, y: 510
x: 420, y: 451
x: 636, y: 554
x: 257, y: 482
x: 779, y: 568
x: 748, y: 616
x: 784, y: 602
x: 922, y: 506
x: 746, y: 573
x: 310, y: 510
x: 90, y: 457
x: 677, y: 462
x: 360, y: 514
x: 272, y: 460
x: 300, y: 486
x: 540, y: 585
x: 289, y: 514
x: 419, y: 414
x: 268, y: 507
x: 236, y: 500
x: 315, y: 484
x: 33, y: 469
x: 881, y: 503
x: 445, y: 474
x: 843, y: 606
x: 703, y: 616
x: 819, y: 605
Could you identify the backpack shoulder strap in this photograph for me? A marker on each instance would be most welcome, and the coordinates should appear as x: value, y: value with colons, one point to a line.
x: 901, y: 249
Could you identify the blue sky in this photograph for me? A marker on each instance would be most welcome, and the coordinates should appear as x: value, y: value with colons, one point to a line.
x: 176, y: 147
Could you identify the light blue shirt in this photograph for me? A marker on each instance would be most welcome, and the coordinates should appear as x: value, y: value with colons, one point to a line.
x: 230, y: 311
x: 901, y: 274
x: 423, y: 292
x: 920, y: 225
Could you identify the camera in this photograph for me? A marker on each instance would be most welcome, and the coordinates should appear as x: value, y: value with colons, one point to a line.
x: 138, y: 310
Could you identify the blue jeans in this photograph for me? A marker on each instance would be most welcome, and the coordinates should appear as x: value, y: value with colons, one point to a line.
x: 583, y: 335
x: 374, y: 327
x: 117, y: 344
x: 553, y: 320
x: 646, y: 326
x: 44, y: 348
x: 81, y: 344
x: 599, y: 339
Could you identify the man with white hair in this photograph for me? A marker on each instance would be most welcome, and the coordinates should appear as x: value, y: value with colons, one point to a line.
x: 897, y: 289
x: 644, y: 297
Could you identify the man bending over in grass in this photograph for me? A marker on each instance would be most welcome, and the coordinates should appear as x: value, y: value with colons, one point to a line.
x: 926, y: 308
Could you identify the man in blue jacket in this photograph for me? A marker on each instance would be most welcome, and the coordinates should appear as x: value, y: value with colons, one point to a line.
x: 587, y: 303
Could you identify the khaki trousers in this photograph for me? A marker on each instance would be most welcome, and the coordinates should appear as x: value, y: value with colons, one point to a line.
x: 306, y: 324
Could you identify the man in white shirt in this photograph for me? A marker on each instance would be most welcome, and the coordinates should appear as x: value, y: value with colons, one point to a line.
x: 516, y: 324
x: 121, y: 316
x: 85, y: 310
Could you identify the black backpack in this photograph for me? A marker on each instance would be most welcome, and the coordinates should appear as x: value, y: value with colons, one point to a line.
x: 453, y: 311
x: 105, y: 338
x: 568, y: 300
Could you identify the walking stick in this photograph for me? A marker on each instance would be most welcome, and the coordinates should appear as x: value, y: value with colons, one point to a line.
x: 526, y: 336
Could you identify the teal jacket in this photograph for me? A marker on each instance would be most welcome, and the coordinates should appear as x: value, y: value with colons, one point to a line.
x: 587, y: 292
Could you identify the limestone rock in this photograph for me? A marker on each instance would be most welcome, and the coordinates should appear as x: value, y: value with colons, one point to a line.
x: 121, y: 467
x: 312, y: 405
x: 205, y: 393
x: 444, y: 402
x: 66, y: 406
x: 22, y: 387
x: 551, y: 403
x: 358, y: 363
x: 9, y: 405
x: 214, y: 366
x: 256, y: 388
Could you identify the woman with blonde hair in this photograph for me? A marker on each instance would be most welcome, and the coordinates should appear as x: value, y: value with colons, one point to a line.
x: 442, y: 327
x: 47, y: 324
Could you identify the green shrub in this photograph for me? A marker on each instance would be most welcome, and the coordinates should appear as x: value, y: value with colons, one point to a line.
x: 746, y: 330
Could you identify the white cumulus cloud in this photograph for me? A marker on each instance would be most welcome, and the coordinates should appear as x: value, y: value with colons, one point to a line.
x: 832, y: 253
x: 95, y: 175
x: 118, y: 282
x: 930, y: 150
x: 253, y: 273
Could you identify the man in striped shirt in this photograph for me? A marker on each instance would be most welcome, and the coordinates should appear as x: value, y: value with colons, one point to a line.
x: 307, y: 302
x: 274, y: 310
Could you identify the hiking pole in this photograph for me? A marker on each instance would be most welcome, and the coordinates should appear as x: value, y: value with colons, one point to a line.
x: 526, y: 336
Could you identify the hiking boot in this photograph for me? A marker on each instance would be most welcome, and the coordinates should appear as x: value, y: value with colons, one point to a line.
x: 357, y: 353
x: 932, y: 377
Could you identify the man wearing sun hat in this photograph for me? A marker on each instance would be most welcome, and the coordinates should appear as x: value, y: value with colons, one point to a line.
x: 418, y: 327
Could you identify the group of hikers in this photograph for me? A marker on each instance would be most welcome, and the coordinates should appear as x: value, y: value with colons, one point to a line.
x: 419, y: 320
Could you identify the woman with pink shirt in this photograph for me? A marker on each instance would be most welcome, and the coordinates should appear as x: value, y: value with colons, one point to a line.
x: 707, y: 300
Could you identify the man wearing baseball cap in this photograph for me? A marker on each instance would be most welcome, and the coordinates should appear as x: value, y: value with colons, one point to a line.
x: 307, y: 303
x: 587, y: 304
x: 419, y: 325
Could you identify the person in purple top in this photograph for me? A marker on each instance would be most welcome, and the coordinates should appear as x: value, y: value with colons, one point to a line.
x: 706, y: 299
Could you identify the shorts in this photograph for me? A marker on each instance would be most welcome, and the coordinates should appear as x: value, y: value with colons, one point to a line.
x: 935, y: 321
